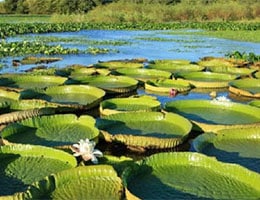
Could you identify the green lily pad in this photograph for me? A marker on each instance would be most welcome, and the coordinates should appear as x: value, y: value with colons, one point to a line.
x: 39, y: 60
x: 241, y: 146
x: 10, y: 93
x: 30, y: 81
x: 89, y: 71
x: 166, y: 85
x: 216, y: 62
x: 176, y: 67
x: 255, y: 103
x: 111, y: 84
x: 246, y: 87
x: 186, y: 175
x: 211, y: 115
x: 145, y: 129
x: 53, y: 130
x: 242, y: 71
x: 118, y: 163
x: 25, y: 104
x: 81, y: 95
x: 143, y: 74
x: 88, y: 182
x: 135, y: 103
x: 21, y: 165
x: 118, y: 64
x: 257, y: 75
x: 207, y: 79
x: 170, y: 61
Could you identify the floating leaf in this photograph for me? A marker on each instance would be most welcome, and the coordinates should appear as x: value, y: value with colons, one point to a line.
x: 186, y: 175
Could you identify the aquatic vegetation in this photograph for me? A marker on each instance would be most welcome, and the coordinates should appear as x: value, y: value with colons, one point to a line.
x: 251, y: 57
x: 9, y: 29
x: 25, y: 48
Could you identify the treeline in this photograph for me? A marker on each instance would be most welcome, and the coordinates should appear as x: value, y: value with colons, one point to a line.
x: 62, y: 6
x: 116, y: 11
x: 49, y: 6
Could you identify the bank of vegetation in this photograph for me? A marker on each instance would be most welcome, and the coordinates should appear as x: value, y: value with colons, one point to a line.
x: 155, y: 11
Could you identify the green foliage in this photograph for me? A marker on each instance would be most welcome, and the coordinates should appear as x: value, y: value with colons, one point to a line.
x: 25, y: 48
x: 28, y: 48
x: 7, y: 30
x: 50, y: 6
x: 251, y: 57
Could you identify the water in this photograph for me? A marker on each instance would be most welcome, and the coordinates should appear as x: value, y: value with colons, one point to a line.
x: 139, y: 44
x: 145, y: 44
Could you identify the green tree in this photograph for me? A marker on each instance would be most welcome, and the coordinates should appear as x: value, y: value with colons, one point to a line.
x: 10, y: 6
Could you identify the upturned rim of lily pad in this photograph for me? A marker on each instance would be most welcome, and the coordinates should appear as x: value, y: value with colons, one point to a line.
x: 248, y: 87
x: 143, y: 74
x: 58, y: 130
x: 111, y: 84
x: 175, y: 67
x: 133, y: 103
x: 30, y: 81
x: 57, y: 94
x: 207, y: 79
x: 147, y: 130
x: 118, y: 64
x: 166, y: 85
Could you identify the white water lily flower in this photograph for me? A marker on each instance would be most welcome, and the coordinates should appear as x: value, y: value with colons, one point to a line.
x: 222, y: 99
x: 85, y: 149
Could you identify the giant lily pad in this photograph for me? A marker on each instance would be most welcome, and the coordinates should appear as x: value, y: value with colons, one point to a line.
x: 24, y: 114
x: 241, y: 146
x: 85, y: 182
x: 81, y: 95
x: 53, y: 130
x: 10, y: 93
x: 144, y: 74
x: 207, y: 79
x: 89, y: 71
x: 246, y: 87
x: 145, y: 129
x: 30, y: 81
x: 186, y: 175
x: 21, y: 165
x: 170, y: 61
x: 257, y: 75
x: 216, y: 62
x: 111, y: 84
x: 243, y: 71
x: 135, y: 103
x: 166, y: 85
x: 176, y: 67
x: 118, y: 64
x: 255, y: 103
x: 212, y: 115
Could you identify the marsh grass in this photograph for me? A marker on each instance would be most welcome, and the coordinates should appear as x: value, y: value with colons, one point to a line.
x: 25, y: 18
x: 240, y: 35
